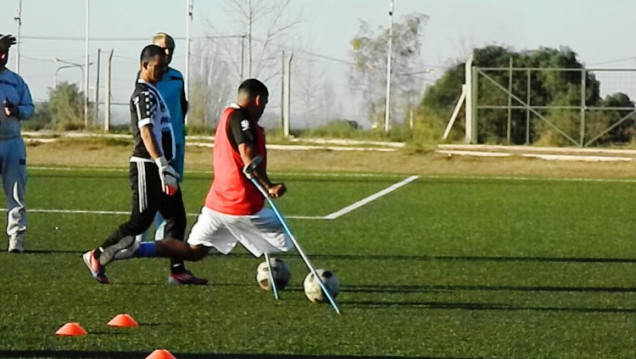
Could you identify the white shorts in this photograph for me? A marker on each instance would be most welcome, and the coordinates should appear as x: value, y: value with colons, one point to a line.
x: 259, y: 233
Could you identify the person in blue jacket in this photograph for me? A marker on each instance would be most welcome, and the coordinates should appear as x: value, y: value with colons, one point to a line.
x: 17, y: 105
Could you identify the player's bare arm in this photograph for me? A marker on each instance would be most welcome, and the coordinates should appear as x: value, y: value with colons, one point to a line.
x: 248, y: 154
x: 149, y: 141
x: 168, y: 175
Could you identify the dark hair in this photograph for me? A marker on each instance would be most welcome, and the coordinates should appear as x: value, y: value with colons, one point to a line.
x: 253, y: 88
x: 149, y: 52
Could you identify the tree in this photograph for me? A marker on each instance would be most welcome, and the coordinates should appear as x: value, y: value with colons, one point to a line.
x: 251, y: 50
x: 41, y: 118
x: 262, y: 26
x: 211, y: 86
x: 369, y: 72
x: 599, y: 121
x: 66, y: 107
x: 552, y: 93
x: 314, y: 94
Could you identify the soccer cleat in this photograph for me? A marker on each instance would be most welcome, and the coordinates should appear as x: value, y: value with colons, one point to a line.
x: 16, y: 244
x: 97, y: 270
x: 186, y: 278
x: 125, y: 248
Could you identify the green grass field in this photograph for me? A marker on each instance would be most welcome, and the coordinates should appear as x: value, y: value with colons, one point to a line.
x: 443, y: 267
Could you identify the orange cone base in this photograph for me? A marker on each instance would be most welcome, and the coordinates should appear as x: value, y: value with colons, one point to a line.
x: 123, y: 321
x: 161, y: 354
x: 71, y: 330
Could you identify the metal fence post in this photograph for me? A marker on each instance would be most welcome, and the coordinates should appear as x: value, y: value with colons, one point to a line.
x: 582, y: 110
x: 509, y: 127
x: 470, y: 97
x: 473, y: 106
x: 528, y: 108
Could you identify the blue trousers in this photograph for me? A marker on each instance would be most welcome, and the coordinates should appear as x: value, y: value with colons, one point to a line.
x: 14, y: 178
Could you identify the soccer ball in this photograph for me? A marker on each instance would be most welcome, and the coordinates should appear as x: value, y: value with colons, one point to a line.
x: 312, y: 287
x: 280, y: 272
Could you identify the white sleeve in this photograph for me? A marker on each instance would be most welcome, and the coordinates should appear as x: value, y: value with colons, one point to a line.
x: 145, y: 106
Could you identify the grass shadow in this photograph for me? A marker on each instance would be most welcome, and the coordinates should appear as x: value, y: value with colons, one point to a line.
x: 434, y: 288
x: 239, y: 254
x: 112, y: 354
x: 471, y: 258
x: 481, y: 306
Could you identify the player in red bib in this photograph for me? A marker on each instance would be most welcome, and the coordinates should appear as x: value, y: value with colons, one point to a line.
x: 234, y: 209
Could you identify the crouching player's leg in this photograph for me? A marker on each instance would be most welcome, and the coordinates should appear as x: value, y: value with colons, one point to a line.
x: 174, y: 249
x: 204, y: 230
x: 168, y: 248
x: 259, y: 233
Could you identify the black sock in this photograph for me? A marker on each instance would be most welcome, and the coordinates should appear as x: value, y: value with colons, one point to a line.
x: 177, y: 267
x: 97, y: 252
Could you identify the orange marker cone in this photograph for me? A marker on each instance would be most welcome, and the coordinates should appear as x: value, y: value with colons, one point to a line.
x: 71, y: 330
x: 123, y: 321
x: 161, y: 354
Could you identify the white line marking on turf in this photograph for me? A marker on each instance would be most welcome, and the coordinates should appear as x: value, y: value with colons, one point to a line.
x: 282, y: 173
x: 376, y: 175
x: 306, y: 217
x: 82, y: 211
x: 71, y: 211
x: 331, y: 216
x: 547, y: 179
x: 371, y: 198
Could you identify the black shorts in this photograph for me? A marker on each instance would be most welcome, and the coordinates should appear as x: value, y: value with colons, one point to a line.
x: 148, y: 198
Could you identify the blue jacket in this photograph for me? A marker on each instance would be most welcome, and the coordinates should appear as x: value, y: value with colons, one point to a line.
x: 15, y: 90
x: 172, y: 89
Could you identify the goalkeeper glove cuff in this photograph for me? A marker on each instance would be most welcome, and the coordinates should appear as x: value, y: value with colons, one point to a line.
x: 161, y: 162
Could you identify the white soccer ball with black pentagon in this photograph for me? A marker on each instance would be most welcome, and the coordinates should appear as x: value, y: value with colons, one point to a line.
x: 280, y: 271
x: 312, y: 287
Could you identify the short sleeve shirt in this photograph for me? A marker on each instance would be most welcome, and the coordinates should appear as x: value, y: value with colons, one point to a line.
x: 147, y: 108
x: 240, y: 129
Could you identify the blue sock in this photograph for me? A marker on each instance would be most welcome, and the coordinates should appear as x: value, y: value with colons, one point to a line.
x: 146, y: 250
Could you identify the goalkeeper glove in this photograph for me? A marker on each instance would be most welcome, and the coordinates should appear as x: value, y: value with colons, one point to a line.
x: 169, y: 177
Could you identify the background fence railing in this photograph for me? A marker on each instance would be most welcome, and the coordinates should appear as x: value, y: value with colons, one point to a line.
x: 580, y: 107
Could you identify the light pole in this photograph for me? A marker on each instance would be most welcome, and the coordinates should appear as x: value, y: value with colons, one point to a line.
x: 86, y: 64
x: 189, y: 13
x: 18, y: 19
x: 387, y: 110
x: 66, y: 67
x: 70, y: 64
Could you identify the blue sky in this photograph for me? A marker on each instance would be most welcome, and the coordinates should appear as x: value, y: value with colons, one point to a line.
x: 599, y: 32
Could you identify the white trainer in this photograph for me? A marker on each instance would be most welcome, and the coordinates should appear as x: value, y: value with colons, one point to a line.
x: 16, y: 244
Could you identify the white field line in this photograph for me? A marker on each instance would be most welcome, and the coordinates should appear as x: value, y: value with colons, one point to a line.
x: 474, y: 153
x: 371, y: 198
x: 563, y: 156
x: 71, y: 211
x: 378, y: 175
x: 331, y: 216
x: 305, y: 147
x: 525, y: 178
x: 306, y: 217
x: 82, y: 211
x: 530, y: 149
x: 295, y: 174
x: 586, y: 158
x: 547, y: 179
x: 40, y: 135
x: 364, y: 201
